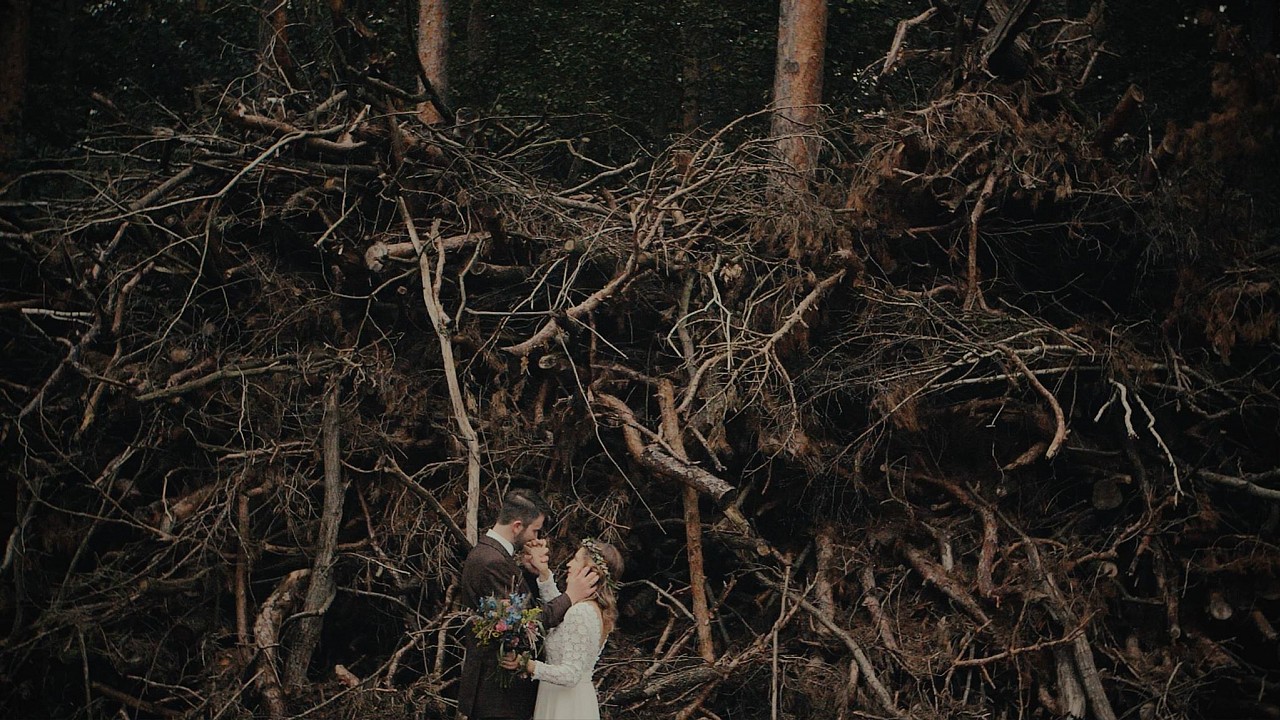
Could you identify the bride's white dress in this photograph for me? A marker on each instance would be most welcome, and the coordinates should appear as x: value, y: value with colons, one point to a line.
x: 565, y: 691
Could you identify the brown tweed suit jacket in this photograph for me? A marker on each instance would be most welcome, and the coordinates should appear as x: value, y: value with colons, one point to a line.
x: 489, y: 570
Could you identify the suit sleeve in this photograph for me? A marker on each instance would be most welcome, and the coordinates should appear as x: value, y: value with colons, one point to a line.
x: 554, y: 603
x: 548, y: 590
x: 489, y: 575
x: 554, y: 610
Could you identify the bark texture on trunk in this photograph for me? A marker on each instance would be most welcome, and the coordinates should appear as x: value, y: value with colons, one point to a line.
x: 274, y: 61
x: 433, y: 52
x: 321, y: 588
x: 266, y: 636
x: 797, y: 84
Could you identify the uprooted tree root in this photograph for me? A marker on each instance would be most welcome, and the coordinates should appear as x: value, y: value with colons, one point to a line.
x: 267, y: 376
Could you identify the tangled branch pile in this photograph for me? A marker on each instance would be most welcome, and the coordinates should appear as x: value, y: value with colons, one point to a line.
x: 984, y: 424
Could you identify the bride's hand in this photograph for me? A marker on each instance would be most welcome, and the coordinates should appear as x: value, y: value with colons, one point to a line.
x: 581, y: 584
x: 521, y: 662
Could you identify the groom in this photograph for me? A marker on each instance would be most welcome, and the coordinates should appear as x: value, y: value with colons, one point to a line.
x: 508, y: 558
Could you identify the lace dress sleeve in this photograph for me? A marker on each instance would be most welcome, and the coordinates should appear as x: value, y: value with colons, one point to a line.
x: 547, y: 588
x: 580, y: 635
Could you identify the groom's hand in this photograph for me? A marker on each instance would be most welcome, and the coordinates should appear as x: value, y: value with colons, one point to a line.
x: 536, y: 558
x: 581, y: 584
x: 526, y: 556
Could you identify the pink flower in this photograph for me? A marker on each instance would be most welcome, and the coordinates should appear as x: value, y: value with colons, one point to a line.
x: 501, y: 626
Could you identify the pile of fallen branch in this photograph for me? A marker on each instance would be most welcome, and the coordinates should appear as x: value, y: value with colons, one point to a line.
x: 269, y: 371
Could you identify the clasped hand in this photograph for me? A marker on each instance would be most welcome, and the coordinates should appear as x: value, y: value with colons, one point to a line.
x: 521, y: 662
x: 535, y: 557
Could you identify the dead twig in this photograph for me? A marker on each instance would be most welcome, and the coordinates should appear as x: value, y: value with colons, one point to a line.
x: 900, y: 35
x: 275, y: 365
x: 1060, y: 433
x: 387, y: 463
x: 440, y: 321
x: 868, y: 671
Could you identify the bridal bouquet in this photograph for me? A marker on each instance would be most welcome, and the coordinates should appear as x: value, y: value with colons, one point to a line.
x: 513, y: 623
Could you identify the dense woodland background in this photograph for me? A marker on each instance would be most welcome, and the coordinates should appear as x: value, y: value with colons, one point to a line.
x: 923, y: 356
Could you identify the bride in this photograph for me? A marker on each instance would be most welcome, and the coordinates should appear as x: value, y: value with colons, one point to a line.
x: 565, y: 690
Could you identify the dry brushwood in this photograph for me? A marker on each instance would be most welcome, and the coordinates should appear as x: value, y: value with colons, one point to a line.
x: 866, y: 441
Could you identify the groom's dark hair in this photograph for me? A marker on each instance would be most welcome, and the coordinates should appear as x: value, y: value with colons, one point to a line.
x: 523, y: 505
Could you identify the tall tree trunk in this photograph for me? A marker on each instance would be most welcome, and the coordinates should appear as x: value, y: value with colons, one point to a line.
x: 433, y: 52
x: 274, y: 61
x: 480, y: 51
x: 797, y: 84
x: 690, y: 79
x: 15, y: 27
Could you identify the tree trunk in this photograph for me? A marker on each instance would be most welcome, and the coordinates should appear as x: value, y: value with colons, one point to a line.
x: 320, y: 590
x: 797, y: 84
x: 480, y: 51
x: 242, y: 569
x: 433, y: 52
x: 14, y: 31
x: 266, y: 636
x: 657, y: 459
x: 690, y: 79
x: 274, y: 61
x: 672, y: 433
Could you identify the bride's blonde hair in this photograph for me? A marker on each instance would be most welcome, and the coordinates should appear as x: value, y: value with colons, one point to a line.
x: 608, y: 563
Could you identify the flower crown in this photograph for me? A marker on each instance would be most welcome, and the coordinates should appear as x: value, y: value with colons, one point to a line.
x: 597, y: 559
